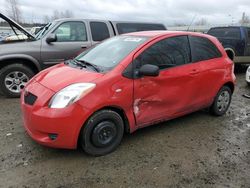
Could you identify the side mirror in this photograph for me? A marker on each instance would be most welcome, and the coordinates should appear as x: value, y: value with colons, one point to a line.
x: 51, y: 38
x: 149, y: 70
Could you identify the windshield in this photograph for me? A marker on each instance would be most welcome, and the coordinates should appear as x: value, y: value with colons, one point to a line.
x: 110, y: 53
x: 44, y: 30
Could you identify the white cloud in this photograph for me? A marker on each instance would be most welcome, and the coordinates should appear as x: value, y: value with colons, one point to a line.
x: 166, y: 11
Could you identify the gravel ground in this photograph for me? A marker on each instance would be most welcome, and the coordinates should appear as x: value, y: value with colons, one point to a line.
x: 197, y: 150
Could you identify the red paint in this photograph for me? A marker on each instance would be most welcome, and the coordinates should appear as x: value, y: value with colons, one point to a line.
x: 175, y: 92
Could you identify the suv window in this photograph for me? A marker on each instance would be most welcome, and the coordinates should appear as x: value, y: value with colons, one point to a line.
x: 134, y: 27
x: 167, y: 53
x: 203, y: 49
x: 99, y: 31
x: 71, y: 31
x: 233, y: 32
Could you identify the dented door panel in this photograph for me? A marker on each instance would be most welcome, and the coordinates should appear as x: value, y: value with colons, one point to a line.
x: 172, y: 92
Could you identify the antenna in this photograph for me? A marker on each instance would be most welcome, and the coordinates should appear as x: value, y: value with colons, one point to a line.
x: 191, y: 22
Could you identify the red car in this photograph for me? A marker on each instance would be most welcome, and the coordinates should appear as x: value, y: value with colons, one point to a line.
x: 126, y: 83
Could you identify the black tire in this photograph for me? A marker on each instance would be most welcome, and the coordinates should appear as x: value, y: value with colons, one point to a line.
x: 248, y: 83
x: 102, y: 133
x: 220, y: 105
x: 6, y: 72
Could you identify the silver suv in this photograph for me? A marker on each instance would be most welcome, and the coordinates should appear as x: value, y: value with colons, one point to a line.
x: 56, y: 42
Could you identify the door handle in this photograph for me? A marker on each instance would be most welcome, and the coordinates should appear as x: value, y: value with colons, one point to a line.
x: 83, y: 46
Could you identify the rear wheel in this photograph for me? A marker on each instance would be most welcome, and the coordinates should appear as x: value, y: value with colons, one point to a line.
x: 13, y: 79
x: 221, y: 102
x: 102, y: 133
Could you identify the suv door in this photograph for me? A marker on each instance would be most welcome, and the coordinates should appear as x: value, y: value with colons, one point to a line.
x: 72, y: 38
x: 174, y: 90
x: 100, y: 31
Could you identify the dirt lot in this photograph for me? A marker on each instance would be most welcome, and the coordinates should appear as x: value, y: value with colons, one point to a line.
x: 197, y: 150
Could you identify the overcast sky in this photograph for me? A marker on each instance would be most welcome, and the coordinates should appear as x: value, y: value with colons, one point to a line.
x: 166, y: 11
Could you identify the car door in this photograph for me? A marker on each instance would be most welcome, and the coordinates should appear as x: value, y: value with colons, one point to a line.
x: 208, y: 57
x: 72, y: 38
x: 172, y: 92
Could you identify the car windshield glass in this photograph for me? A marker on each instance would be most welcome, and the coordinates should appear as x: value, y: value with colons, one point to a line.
x: 44, y: 30
x: 112, y: 51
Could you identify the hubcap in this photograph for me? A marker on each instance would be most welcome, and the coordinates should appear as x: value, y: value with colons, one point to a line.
x: 15, y: 81
x: 223, y: 101
x: 104, y: 134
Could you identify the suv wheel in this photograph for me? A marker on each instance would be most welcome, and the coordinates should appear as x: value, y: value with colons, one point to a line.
x: 13, y: 79
x: 221, y: 102
x: 102, y: 133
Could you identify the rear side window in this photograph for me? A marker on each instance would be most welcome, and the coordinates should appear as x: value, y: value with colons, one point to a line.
x: 99, y: 31
x: 233, y: 32
x: 134, y: 27
x: 203, y: 49
x: 167, y: 53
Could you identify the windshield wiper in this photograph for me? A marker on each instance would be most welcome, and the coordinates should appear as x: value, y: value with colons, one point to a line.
x: 85, y: 63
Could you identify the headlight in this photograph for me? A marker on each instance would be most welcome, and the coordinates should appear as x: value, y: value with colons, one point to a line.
x: 70, y: 94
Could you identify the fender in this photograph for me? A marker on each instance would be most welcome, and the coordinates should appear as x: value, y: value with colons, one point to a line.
x: 22, y: 57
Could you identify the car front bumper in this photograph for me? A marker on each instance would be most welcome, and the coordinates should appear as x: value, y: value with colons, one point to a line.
x: 58, y: 128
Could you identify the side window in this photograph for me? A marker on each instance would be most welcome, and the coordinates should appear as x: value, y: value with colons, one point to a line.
x: 248, y: 34
x: 99, y: 31
x: 203, y: 49
x: 167, y: 53
x: 71, y: 32
x: 226, y: 32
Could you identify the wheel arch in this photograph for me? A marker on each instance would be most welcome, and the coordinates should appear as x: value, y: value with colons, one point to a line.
x: 116, y: 109
x: 230, y: 85
x: 230, y: 53
x: 22, y: 59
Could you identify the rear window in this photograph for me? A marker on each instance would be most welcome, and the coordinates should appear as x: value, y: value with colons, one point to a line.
x: 203, y: 49
x: 134, y: 27
x: 225, y: 32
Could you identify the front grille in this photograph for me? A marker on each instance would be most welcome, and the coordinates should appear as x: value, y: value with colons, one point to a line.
x: 29, y: 98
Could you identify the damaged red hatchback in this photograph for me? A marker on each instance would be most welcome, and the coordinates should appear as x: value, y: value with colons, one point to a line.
x: 126, y: 83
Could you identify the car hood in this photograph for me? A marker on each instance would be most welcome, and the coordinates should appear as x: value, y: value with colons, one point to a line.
x: 16, y: 25
x: 60, y: 76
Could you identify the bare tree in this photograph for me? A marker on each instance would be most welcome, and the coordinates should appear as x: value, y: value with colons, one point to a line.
x: 202, y: 21
x: 13, y: 10
x: 57, y: 15
x: 244, y: 20
x: 67, y: 14
x: 46, y: 19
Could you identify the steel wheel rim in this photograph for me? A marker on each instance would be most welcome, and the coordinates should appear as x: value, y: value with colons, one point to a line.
x: 15, y: 81
x: 104, y: 134
x: 223, y: 101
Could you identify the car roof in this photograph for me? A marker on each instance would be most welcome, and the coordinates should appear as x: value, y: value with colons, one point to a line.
x: 159, y: 33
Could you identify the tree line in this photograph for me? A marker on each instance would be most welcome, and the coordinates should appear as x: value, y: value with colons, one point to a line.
x: 14, y: 12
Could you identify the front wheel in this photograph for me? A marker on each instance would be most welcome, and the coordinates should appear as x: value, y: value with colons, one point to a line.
x: 13, y: 79
x: 222, y: 101
x: 102, y: 133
